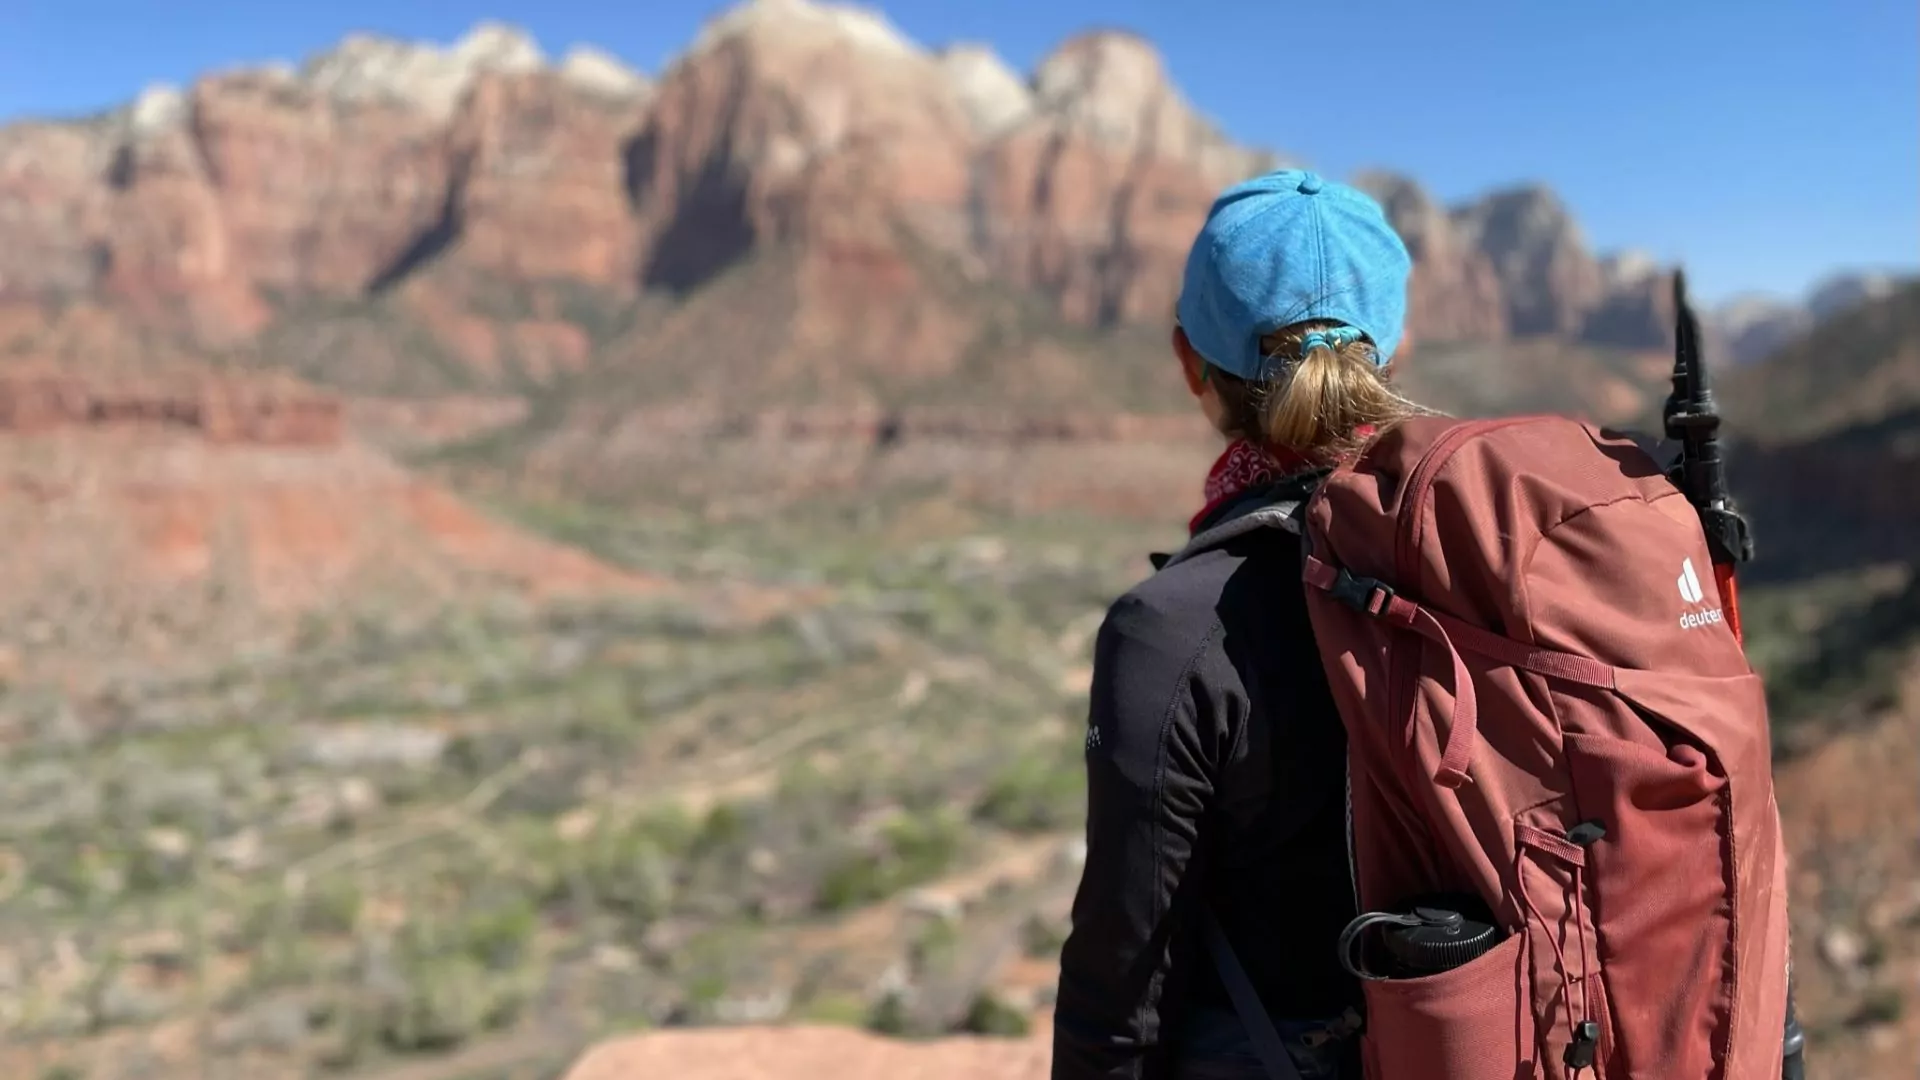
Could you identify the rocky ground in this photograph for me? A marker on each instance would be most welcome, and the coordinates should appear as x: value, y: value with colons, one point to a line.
x: 777, y: 1054
x: 452, y: 764
x: 504, y: 831
x: 471, y: 840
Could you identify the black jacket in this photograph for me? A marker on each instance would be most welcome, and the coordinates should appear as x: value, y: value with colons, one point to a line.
x: 1216, y: 775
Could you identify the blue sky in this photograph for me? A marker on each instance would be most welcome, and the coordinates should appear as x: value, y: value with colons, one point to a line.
x: 1765, y: 142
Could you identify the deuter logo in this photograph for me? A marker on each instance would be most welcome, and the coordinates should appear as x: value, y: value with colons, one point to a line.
x: 1692, y: 592
x: 1692, y: 619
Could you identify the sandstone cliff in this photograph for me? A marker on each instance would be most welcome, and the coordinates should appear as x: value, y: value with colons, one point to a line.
x: 431, y: 179
x: 262, y: 412
x: 1549, y: 278
x: 1456, y: 294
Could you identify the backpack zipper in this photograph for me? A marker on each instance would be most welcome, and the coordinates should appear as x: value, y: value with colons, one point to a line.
x: 1353, y: 849
x: 1418, y: 485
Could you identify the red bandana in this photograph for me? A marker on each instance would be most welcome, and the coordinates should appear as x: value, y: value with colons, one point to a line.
x: 1241, y: 467
x: 1245, y: 465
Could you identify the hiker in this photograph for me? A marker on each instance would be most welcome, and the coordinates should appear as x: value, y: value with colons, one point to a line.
x: 1216, y: 760
x: 1444, y: 724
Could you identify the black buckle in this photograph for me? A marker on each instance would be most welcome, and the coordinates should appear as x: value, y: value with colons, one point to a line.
x: 1367, y: 595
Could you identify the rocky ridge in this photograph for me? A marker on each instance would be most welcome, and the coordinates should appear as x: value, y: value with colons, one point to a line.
x: 787, y: 125
x: 221, y: 410
x: 1753, y: 327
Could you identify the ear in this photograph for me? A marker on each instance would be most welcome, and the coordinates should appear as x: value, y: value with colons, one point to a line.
x: 1191, y: 365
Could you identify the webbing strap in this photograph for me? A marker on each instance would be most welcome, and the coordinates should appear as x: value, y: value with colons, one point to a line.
x: 1557, y: 846
x: 1246, y: 1001
x: 1377, y: 599
x: 1560, y: 665
x: 1465, y: 727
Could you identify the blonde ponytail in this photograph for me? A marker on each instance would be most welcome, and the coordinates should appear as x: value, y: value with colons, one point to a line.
x: 1330, y: 395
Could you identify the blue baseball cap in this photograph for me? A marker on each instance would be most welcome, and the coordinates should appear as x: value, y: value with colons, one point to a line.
x: 1290, y: 247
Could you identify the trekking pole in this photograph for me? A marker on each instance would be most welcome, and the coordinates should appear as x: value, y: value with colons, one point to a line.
x: 1693, y: 421
x: 1793, y: 1060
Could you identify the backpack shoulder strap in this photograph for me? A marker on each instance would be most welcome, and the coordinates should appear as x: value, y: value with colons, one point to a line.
x: 1246, y: 1001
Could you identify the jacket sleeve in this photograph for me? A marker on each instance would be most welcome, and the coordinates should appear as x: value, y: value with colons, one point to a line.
x: 1148, y: 786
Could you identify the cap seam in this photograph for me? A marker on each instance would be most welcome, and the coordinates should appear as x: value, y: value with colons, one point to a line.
x: 1320, y: 242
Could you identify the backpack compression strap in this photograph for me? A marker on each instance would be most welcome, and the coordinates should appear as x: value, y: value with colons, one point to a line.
x: 1377, y: 599
x: 1246, y: 1001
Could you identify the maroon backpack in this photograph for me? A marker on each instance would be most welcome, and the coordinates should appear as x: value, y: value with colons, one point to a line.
x: 1547, y: 710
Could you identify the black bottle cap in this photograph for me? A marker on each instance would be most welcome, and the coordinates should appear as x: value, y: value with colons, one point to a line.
x: 1452, y: 931
x: 1434, y: 948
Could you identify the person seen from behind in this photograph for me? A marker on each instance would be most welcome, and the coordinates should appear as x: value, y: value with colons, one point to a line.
x: 1215, y: 756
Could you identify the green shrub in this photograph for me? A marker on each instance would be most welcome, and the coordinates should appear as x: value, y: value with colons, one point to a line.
x: 858, y: 879
x: 628, y: 871
x: 889, y: 1015
x: 333, y: 907
x: 724, y: 827
x: 152, y: 869
x: 443, y: 1000
x: 1882, y: 1005
x: 86, y: 876
x: 911, y: 849
x: 1041, y: 938
x: 1038, y: 794
x: 922, y: 845
x: 842, y: 1009
x: 284, y: 957
x: 989, y: 1015
x: 704, y: 991
x: 498, y: 935
x: 934, y: 948
x: 448, y: 1000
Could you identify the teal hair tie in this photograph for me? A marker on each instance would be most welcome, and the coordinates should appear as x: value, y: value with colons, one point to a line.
x: 1336, y: 338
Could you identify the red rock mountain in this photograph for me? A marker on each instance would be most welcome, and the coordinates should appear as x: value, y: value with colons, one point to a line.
x: 1830, y: 434
x: 483, y: 208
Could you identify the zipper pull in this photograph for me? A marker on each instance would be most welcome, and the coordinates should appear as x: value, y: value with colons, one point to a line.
x: 1584, y: 1047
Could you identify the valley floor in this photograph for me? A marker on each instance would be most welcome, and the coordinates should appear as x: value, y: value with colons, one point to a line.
x: 831, y: 777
